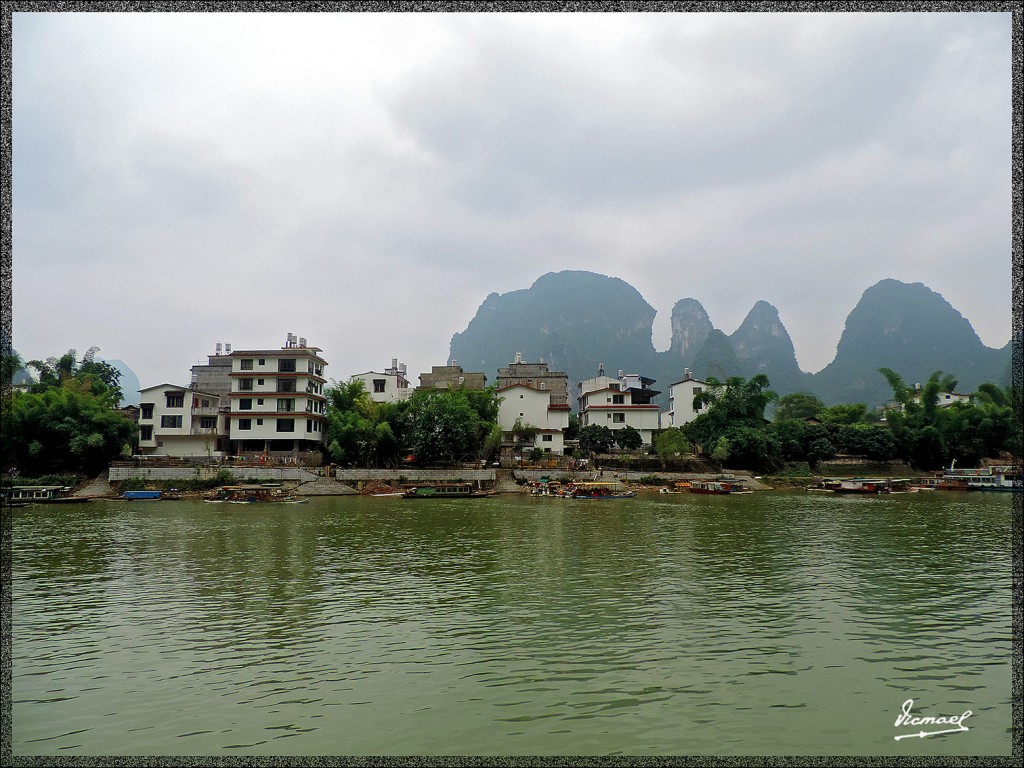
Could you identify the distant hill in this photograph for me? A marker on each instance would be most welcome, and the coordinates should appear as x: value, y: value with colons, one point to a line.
x: 914, y: 331
x: 763, y: 345
x: 575, y: 321
x: 130, y: 385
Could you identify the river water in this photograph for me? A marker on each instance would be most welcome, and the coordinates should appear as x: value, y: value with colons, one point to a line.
x: 763, y: 624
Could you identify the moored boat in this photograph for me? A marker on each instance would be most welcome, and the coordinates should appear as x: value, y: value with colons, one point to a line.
x: 445, y: 491
x: 718, y: 487
x: 681, y: 486
x: 42, y: 494
x: 599, y: 491
x: 871, y: 485
x: 140, y: 495
x: 253, y: 494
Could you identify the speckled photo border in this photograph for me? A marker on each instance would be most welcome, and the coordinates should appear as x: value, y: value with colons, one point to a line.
x: 9, y: 8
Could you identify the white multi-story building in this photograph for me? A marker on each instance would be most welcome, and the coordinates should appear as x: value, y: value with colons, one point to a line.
x: 625, y: 400
x: 680, y: 401
x: 386, y: 387
x: 532, y: 406
x: 181, y: 422
x: 277, y: 399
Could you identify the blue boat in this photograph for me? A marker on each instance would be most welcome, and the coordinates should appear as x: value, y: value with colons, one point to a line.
x: 136, y: 495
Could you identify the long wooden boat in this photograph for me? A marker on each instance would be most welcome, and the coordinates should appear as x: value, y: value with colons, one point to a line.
x: 598, y: 491
x: 445, y: 491
x: 42, y: 494
x: 872, y: 485
x: 718, y: 487
x: 253, y: 494
x: 140, y: 495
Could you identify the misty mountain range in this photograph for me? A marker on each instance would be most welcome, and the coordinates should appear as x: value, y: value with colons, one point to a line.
x: 574, y: 321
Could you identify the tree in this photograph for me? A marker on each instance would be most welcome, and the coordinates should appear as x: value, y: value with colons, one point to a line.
x: 798, y: 405
x: 596, y: 439
x: 63, y: 428
x: 628, y: 438
x: 736, y: 403
x: 446, y: 427
x: 523, y: 435
x: 843, y: 414
x: 721, y: 451
x: 670, y: 443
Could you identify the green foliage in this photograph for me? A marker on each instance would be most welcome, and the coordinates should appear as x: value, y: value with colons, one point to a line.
x: 798, y: 405
x: 573, y: 431
x: 65, y: 426
x: 652, y: 480
x: 595, y: 438
x: 670, y: 443
x: 628, y: 438
x: 722, y: 450
x: 361, y: 432
x: 930, y: 437
x: 451, y: 425
x: 843, y: 414
x: 736, y: 403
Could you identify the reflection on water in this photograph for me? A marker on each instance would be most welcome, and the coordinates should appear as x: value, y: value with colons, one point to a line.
x: 762, y: 624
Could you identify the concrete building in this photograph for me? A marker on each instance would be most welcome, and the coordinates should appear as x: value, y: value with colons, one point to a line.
x: 277, y: 401
x: 215, y: 375
x: 386, y: 387
x: 538, y: 376
x: 680, y: 401
x: 534, y: 396
x: 181, y: 422
x: 618, y: 402
x: 451, y: 377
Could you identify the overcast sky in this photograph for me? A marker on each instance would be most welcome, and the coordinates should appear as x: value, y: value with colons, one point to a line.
x: 366, y: 180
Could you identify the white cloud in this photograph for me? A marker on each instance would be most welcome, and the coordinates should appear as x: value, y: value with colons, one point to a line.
x: 372, y: 177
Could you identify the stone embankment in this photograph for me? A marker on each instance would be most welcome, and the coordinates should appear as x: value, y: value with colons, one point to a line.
x: 324, y: 486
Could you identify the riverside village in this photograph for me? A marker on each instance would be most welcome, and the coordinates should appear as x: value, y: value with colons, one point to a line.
x: 265, y: 425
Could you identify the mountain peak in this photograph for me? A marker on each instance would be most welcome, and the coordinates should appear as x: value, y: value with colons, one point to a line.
x: 690, y: 328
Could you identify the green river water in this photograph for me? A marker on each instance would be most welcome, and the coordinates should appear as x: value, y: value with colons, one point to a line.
x: 763, y: 624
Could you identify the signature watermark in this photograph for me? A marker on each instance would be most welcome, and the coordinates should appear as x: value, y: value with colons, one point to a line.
x: 907, y: 717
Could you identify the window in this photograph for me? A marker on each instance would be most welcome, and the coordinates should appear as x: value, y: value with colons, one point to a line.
x: 259, y: 401
x: 245, y: 404
x: 208, y: 422
x: 546, y: 439
x: 286, y: 385
x: 286, y: 425
x: 285, y: 406
x: 245, y: 423
x: 246, y: 365
x: 309, y: 425
x: 259, y: 422
x: 170, y: 422
x: 205, y: 403
x: 245, y: 385
x: 378, y: 386
x: 175, y: 399
x: 618, y: 399
x: 263, y: 361
x: 146, y: 411
x: 286, y: 366
x: 259, y: 382
x: 618, y: 418
x: 146, y: 432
